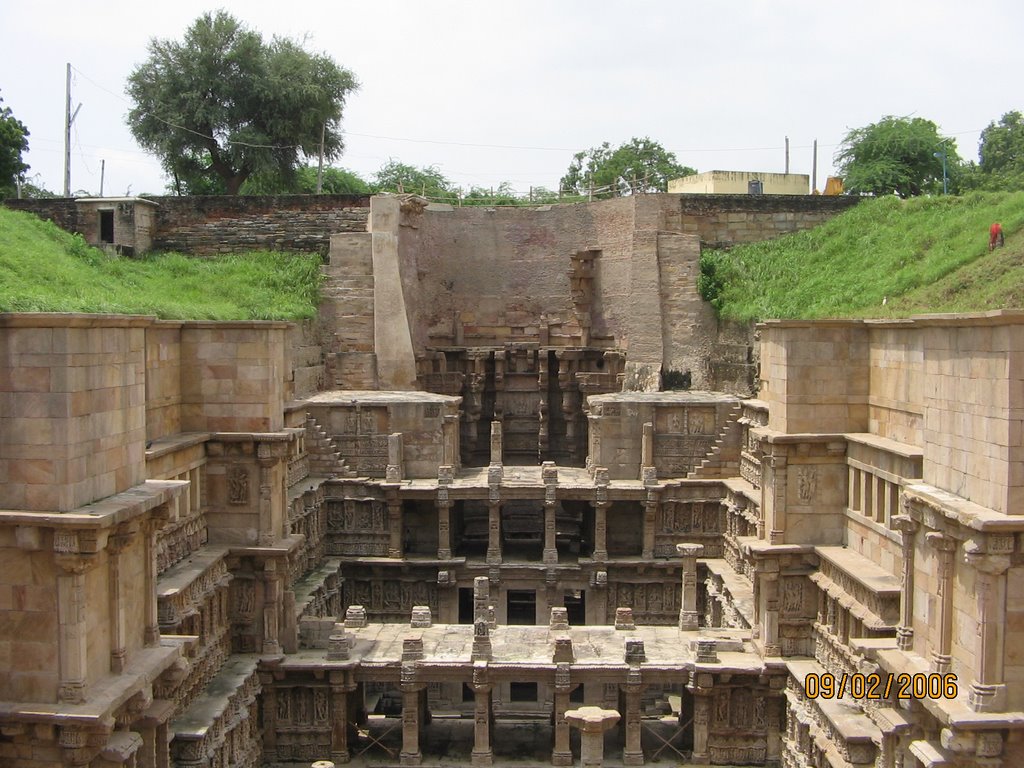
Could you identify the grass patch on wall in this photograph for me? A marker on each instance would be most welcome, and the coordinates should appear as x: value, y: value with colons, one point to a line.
x: 885, y: 257
x: 45, y: 269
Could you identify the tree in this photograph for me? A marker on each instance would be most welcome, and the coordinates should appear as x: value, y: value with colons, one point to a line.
x: 895, y: 155
x: 223, y: 104
x: 336, y: 181
x: 638, y: 165
x: 13, y: 141
x: 429, y: 181
x: 1001, y: 153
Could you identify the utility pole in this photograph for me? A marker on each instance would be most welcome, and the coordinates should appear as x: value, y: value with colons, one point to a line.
x: 787, y: 154
x: 814, y: 169
x: 69, y: 118
x: 103, y: 172
x: 320, y: 165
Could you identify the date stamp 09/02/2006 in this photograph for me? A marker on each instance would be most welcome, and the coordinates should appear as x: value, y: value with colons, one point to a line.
x: 930, y: 685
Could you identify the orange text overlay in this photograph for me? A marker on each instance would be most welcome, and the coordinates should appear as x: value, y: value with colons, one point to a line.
x: 930, y: 685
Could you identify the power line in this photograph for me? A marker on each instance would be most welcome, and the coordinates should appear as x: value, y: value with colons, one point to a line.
x: 465, y: 144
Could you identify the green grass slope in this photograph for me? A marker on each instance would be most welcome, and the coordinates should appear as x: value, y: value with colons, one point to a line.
x: 45, y: 269
x: 917, y: 256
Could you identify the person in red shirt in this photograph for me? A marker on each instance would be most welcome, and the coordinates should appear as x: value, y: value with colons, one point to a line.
x: 995, y: 236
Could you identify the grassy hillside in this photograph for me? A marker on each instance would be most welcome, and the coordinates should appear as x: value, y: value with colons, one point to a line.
x: 45, y: 269
x: 884, y: 258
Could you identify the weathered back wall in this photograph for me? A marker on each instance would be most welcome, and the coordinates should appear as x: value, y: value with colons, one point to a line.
x: 210, y: 225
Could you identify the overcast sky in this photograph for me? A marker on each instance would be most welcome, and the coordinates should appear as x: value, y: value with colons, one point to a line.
x: 491, y: 92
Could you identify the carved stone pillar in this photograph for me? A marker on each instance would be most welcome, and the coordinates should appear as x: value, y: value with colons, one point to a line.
x: 444, y: 532
x: 410, y: 754
x: 773, y: 494
x: 150, y: 528
x: 688, y: 620
x: 601, y: 531
x: 649, y: 524
x: 770, y: 613
x: 987, y: 692
x: 562, y: 752
x: 570, y: 407
x: 450, y: 435
x: 945, y: 547
x: 494, y: 532
x: 395, y: 548
x: 701, y: 718
x: 163, y: 755
x: 907, y: 527
x: 266, y: 535
x: 269, y: 704
x: 272, y: 603
x: 632, y: 751
x: 592, y: 722
x: 394, y: 472
x: 550, y: 546
x: 71, y: 618
x: 496, y: 444
x: 774, y: 720
x: 340, y: 691
x: 549, y: 474
x: 482, y: 753
x: 648, y: 472
x: 116, y: 546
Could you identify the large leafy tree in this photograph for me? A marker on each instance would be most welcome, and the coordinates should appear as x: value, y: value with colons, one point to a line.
x: 13, y: 141
x: 638, y: 165
x: 1001, y: 153
x: 223, y: 104
x: 895, y: 155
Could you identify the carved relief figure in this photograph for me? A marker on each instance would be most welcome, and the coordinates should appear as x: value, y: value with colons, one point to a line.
x: 722, y: 707
x: 697, y: 423
x: 760, y: 715
x: 697, y: 516
x: 792, y: 595
x: 238, y: 485
x: 807, y: 481
x: 741, y: 708
x: 245, y: 598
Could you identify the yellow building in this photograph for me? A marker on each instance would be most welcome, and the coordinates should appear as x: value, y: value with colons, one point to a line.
x: 741, y: 183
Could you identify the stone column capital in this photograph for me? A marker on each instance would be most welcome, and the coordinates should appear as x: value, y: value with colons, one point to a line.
x: 905, y: 524
x: 74, y: 564
x: 990, y: 565
x: 941, y: 541
x: 689, y: 550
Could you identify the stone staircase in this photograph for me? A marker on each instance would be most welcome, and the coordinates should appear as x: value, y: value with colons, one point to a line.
x: 723, y: 460
x: 324, y: 455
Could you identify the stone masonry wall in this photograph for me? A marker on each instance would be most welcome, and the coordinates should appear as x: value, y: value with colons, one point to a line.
x: 724, y: 220
x: 211, y: 225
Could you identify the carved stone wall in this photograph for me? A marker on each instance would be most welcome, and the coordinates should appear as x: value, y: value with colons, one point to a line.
x: 390, y: 598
